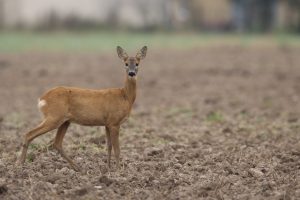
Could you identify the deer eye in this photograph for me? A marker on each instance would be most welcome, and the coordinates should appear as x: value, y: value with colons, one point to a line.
x: 136, y: 64
x: 126, y: 64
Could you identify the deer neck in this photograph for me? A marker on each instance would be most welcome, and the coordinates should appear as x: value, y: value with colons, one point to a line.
x: 130, y: 89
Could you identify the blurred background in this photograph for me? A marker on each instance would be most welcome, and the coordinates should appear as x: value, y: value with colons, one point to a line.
x: 220, y: 15
x: 139, y: 16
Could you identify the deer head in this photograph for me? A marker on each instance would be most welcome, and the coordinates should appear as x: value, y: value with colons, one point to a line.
x: 132, y: 63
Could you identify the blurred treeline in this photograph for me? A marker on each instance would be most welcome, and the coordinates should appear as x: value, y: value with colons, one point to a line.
x: 147, y: 15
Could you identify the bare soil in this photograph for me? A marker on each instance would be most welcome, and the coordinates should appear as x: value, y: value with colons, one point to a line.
x: 208, y: 123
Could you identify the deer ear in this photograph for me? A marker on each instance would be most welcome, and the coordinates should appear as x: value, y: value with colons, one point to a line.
x: 121, y: 53
x: 142, y: 53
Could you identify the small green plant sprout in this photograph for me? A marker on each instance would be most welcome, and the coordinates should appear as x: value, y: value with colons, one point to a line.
x: 30, y: 157
x: 214, y: 117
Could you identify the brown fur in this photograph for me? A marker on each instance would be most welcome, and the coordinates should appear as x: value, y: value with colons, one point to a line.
x: 107, y: 107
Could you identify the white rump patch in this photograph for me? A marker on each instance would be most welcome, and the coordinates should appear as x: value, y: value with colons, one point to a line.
x: 41, y: 103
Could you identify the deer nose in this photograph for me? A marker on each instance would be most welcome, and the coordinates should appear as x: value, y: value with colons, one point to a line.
x: 131, y: 74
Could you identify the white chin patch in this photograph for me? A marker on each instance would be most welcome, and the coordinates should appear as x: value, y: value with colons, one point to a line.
x: 41, y: 103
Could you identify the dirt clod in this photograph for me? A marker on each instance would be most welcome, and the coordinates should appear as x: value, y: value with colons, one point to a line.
x: 81, y: 191
x: 256, y: 172
x: 152, y: 151
x: 3, y: 189
x: 105, y: 180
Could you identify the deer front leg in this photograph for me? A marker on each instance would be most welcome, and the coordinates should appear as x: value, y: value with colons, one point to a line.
x: 114, y: 134
x: 109, y: 146
x: 58, y: 144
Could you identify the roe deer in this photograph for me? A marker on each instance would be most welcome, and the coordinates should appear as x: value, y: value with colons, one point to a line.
x: 108, y: 107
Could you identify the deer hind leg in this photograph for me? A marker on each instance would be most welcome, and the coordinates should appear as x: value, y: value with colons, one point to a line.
x: 61, y: 132
x: 46, y: 126
x: 114, y: 134
x: 109, y: 146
